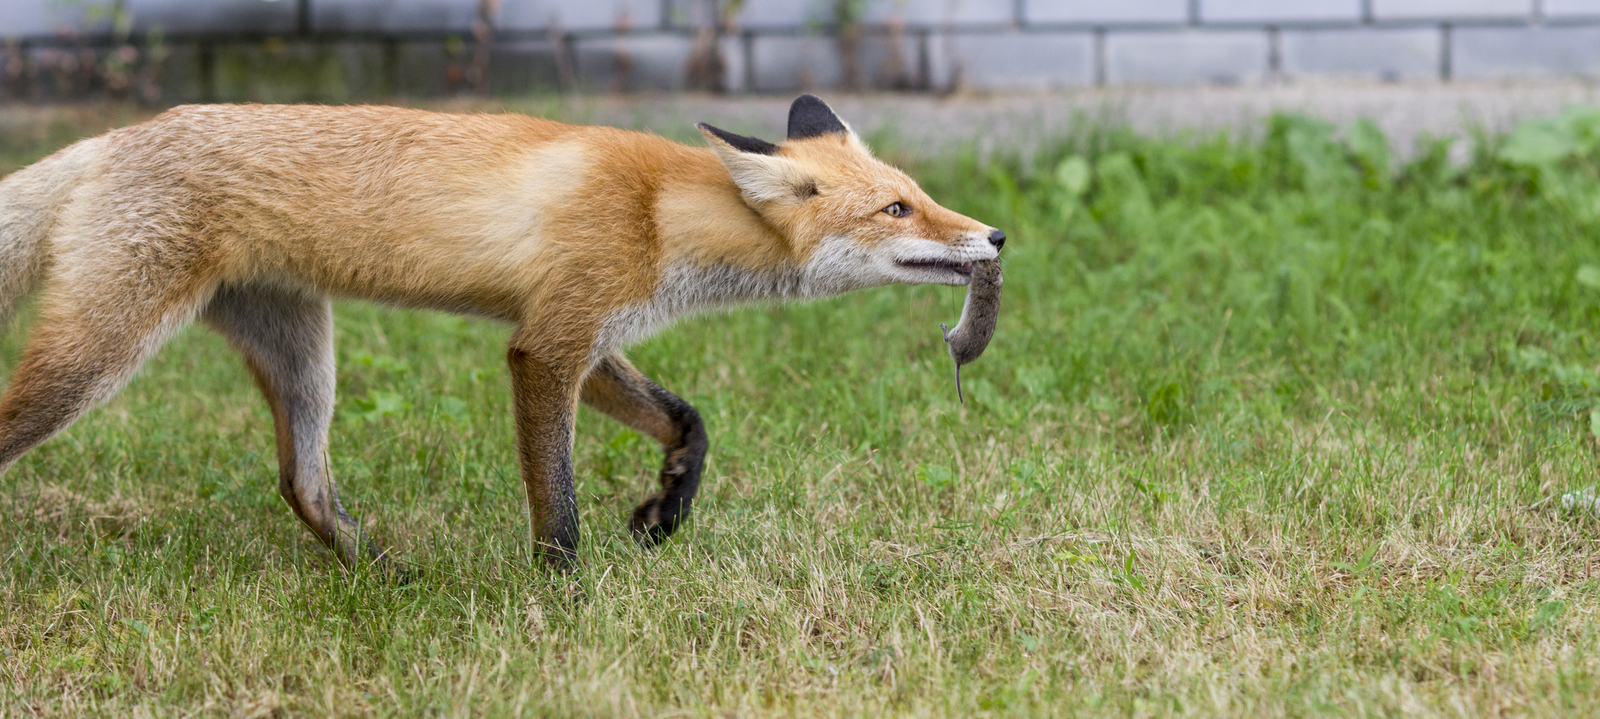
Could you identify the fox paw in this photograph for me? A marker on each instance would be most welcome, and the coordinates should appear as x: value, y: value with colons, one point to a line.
x: 656, y: 519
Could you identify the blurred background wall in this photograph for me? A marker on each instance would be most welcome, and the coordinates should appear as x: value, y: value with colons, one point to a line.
x: 166, y: 51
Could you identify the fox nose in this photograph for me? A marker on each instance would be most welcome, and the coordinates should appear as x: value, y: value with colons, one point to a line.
x: 998, y: 239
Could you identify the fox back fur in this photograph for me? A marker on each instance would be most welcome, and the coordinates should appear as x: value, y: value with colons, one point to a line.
x: 584, y: 239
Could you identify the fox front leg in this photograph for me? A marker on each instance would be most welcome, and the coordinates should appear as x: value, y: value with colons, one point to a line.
x: 617, y: 389
x: 544, y: 392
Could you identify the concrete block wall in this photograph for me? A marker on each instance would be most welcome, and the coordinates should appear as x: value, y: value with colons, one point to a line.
x: 1402, y: 54
x: 982, y: 44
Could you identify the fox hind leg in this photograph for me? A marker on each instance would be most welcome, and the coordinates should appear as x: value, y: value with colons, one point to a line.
x: 286, y: 338
x: 617, y: 389
x: 84, y: 347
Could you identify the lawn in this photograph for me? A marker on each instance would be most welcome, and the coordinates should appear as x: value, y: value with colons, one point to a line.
x: 1274, y: 423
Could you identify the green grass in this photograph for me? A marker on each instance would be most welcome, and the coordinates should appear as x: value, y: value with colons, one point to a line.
x: 1272, y: 425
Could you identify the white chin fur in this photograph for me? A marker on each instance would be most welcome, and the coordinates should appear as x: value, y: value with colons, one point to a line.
x: 838, y: 266
x: 917, y: 250
x: 931, y: 276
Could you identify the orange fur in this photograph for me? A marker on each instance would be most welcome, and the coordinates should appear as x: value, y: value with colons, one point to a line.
x: 585, y: 238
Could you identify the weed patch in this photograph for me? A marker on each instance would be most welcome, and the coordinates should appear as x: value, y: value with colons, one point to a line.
x: 1275, y: 425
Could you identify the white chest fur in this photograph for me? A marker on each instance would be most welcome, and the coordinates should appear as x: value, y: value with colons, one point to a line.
x: 688, y: 288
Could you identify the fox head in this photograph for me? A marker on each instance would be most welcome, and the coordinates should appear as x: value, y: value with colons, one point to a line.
x: 852, y: 221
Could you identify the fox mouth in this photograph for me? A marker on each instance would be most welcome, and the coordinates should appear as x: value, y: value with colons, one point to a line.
x: 961, y: 268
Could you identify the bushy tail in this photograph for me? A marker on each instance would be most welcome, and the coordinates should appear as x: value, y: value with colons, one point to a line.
x: 31, y: 201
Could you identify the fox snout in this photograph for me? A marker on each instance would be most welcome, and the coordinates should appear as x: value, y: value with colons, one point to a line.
x: 990, y: 239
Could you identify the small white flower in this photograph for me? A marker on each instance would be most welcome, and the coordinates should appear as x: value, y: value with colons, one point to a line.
x: 1582, y: 499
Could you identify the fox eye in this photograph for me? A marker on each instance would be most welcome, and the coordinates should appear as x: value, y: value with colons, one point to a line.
x: 897, y: 210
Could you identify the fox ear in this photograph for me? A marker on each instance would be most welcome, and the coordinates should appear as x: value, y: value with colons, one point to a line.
x: 762, y: 176
x: 739, y: 142
x: 809, y: 116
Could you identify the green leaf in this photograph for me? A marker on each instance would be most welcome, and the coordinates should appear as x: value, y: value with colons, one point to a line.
x: 1539, y: 142
x: 1166, y: 404
x: 452, y: 407
x: 379, y: 403
x: 1069, y: 557
x: 206, y: 618
x: 1594, y: 423
x: 379, y: 361
x: 1128, y: 575
x: 1123, y: 202
x: 1072, y: 176
x: 388, y: 402
x: 1589, y: 276
x: 1323, y: 163
x: 1582, y: 122
x: 1546, y: 615
x: 138, y: 626
x: 935, y: 476
x: 1371, y: 148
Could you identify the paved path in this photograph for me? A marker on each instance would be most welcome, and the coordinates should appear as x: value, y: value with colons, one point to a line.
x: 1404, y: 111
x: 999, y: 121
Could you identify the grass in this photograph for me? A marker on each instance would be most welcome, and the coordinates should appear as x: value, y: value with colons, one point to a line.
x: 1272, y: 425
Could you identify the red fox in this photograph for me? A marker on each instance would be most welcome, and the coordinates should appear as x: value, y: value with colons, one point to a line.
x: 584, y: 239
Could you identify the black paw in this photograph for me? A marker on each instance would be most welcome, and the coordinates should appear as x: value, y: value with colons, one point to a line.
x: 401, y: 576
x: 392, y: 570
x: 657, y: 518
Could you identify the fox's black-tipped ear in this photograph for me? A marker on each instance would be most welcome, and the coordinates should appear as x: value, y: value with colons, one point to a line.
x: 809, y: 116
x: 755, y: 166
x: 740, y: 142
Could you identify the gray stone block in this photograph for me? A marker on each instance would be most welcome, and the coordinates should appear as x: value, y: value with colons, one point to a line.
x: 1097, y: 11
x: 914, y: 12
x: 459, y: 15
x: 36, y: 17
x: 1368, y: 53
x: 785, y: 64
x: 1278, y: 10
x: 1395, y: 9
x: 1567, y: 8
x: 795, y: 63
x: 1494, y: 53
x: 935, y: 12
x: 391, y: 15
x: 778, y: 12
x: 586, y: 15
x: 1018, y: 62
x: 1167, y: 58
